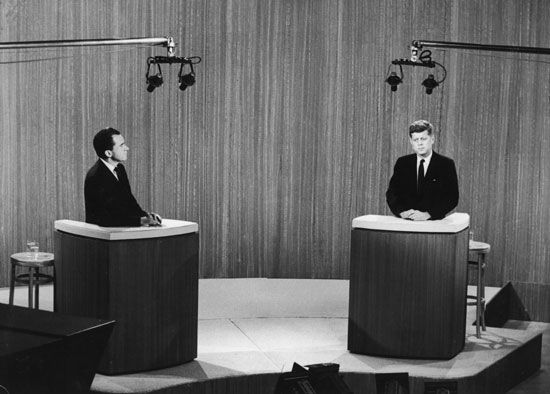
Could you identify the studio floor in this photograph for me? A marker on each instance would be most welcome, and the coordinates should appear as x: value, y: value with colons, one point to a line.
x: 263, y: 326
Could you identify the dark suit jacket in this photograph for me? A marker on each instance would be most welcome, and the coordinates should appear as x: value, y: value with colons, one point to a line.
x: 110, y: 202
x: 439, y: 193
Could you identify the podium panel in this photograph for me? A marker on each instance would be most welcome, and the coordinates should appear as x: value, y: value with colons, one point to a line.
x: 147, y: 283
x: 45, y: 352
x: 408, y: 284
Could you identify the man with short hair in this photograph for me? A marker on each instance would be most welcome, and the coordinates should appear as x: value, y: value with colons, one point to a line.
x: 107, y: 193
x: 424, y: 185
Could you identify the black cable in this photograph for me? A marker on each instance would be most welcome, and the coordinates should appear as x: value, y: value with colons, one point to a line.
x: 444, y: 71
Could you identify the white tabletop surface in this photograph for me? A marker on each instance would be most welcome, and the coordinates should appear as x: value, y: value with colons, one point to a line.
x: 169, y: 228
x: 453, y: 223
x: 32, y: 256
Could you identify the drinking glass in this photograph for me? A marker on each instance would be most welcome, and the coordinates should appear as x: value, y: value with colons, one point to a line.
x: 33, y: 247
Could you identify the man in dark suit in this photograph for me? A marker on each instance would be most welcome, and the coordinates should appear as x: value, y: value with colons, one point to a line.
x: 424, y: 185
x: 108, y: 197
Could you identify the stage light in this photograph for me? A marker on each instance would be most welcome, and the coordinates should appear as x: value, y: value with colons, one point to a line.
x: 430, y: 84
x: 153, y: 81
x: 393, y: 79
x: 186, y: 80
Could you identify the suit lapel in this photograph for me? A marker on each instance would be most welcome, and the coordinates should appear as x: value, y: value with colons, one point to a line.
x: 124, y: 177
x: 413, y: 170
x: 432, y: 167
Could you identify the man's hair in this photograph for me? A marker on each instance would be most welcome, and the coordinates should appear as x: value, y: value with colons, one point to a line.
x: 418, y: 126
x: 103, y: 141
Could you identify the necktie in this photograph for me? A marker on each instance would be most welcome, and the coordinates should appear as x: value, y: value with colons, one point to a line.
x: 118, y: 170
x: 420, y: 179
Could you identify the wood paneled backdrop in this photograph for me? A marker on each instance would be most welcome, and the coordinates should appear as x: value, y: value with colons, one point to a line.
x: 290, y: 130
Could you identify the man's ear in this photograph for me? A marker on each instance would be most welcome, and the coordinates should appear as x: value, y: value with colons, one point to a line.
x: 109, y: 153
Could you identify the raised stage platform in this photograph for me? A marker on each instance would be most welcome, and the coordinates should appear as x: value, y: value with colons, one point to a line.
x: 250, y: 330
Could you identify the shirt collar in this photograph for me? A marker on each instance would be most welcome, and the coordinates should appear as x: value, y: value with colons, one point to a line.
x: 426, y: 160
x: 109, y: 166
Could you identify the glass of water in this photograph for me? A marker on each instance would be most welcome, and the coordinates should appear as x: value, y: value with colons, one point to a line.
x: 33, y: 247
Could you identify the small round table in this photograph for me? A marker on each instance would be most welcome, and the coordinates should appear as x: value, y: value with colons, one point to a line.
x: 33, y: 261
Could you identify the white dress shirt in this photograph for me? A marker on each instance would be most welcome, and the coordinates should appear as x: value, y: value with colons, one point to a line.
x: 112, y: 167
x: 426, y: 162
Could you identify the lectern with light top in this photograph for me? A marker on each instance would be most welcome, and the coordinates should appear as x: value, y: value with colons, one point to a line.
x: 145, y: 278
x: 408, y: 283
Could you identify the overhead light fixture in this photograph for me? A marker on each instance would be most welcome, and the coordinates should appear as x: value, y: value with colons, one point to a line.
x: 424, y: 59
x: 153, y: 81
x: 393, y: 79
x: 186, y: 80
x: 430, y: 84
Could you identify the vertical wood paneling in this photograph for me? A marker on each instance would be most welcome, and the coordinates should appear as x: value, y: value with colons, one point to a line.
x: 289, y: 131
x: 504, y: 170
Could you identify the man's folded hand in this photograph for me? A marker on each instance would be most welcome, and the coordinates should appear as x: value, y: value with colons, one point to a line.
x: 156, y: 219
x: 418, y: 215
x: 152, y: 219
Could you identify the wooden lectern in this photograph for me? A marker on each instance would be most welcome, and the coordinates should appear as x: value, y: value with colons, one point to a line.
x: 408, y: 283
x: 145, y: 278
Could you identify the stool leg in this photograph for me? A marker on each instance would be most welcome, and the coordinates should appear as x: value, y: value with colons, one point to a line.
x: 36, y: 287
x: 482, y: 273
x: 31, y: 284
x: 478, y: 299
x: 12, y: 283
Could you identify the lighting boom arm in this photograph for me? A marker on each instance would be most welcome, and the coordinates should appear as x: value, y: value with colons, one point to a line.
x: 162, y: 41
x: 425, y: 60
x: 153, y: 80
x: 480, y: 47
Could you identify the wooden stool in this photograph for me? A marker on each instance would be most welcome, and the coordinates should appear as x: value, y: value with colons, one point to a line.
x: 33, y: 261
x: 480, y: 249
